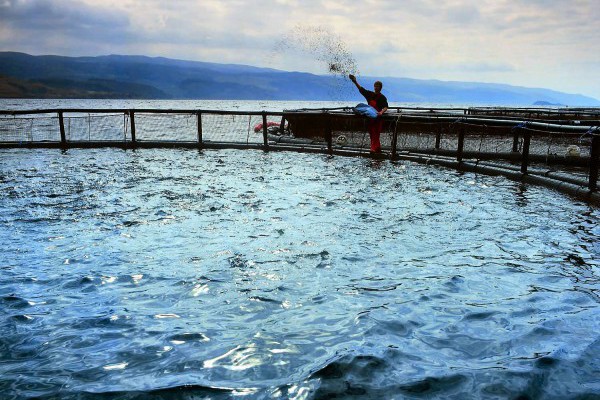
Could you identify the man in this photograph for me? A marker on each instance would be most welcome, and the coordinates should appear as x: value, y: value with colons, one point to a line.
x: 379, y: 102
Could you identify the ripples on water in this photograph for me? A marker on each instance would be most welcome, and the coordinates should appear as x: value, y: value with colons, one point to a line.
x: 179, y: 274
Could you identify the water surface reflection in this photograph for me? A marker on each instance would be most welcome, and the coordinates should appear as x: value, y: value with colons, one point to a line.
x: 172, y: 273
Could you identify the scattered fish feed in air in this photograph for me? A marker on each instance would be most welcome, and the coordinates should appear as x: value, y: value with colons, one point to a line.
x: 327, y: 48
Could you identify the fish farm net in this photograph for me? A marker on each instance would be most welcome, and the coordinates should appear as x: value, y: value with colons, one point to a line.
x: 166, y: 127
x: 449, y: 136
x: 232, y: 128
x: 94, y: 127
x: 118, y: 127
x: 29, y: 129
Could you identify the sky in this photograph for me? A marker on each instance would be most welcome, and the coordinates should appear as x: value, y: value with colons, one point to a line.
x: 534, y: 43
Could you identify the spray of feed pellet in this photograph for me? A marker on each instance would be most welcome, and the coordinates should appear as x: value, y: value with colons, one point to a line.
x: 328, y: 49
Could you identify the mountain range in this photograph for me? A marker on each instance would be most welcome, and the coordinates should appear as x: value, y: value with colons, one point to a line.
x: 119, y: 76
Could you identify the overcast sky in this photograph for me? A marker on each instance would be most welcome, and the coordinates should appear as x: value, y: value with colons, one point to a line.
x: 536, y: 43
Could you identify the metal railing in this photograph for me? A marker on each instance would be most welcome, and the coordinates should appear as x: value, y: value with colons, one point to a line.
x: 463, y: 134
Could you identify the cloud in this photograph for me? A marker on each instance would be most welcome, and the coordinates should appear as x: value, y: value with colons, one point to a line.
x: 484, y: 67
x: 70, y: 16
x: 63, y: 27
x: 462, y: 14
x: 516, y: 41
x: 388, y: 46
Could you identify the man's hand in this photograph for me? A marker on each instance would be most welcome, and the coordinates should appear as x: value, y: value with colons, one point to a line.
x: 352, y: 78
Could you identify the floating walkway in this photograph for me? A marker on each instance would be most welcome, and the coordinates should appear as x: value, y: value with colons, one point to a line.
x: 557, y: 148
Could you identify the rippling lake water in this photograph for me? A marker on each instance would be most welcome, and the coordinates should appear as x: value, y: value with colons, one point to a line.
x: 186, y: 274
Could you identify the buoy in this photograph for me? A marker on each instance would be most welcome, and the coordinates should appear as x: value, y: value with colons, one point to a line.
x: 573, y: 151
x: 258, y: 127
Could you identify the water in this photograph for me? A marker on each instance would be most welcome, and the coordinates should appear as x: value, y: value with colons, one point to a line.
x: 229, y: 105
x: 179, y: 274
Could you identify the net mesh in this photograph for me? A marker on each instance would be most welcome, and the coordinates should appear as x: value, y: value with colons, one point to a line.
x: 415, y: 136
x: 178, y: 127
x: 29, y: 129
x: 558, y: 144
x: 97, y: 127
x: 233, y: 128
x: 166, y: 127
x: 480, y: 141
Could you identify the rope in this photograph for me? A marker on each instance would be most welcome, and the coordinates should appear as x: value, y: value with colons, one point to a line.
x: 591, y: 132
x: 125, y: 126
x: 483, y: 133
x: 362, y: 141
x: 458, y: 121
x: 248, y: 131
x: 550, y: 142
x: 396, y: 132
x: 549, y: 145
x: 31, y: 129
x: 521, y: 125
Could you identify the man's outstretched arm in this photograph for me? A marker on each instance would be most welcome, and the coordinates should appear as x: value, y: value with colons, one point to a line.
x: 353, y: 79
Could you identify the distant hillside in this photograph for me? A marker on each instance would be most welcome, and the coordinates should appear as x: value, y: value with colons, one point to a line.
x: 143, y: 77
x: 59, y: 88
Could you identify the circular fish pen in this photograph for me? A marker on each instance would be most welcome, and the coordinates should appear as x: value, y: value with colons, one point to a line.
x: 202, y: 271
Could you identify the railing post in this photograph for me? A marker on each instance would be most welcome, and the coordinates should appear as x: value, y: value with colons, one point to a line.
x: 265, y: 132
x: 61, y: 124
x: 525, y: 156
x: 515, y: 146
x: 328, y: 134
x: 594, y: 162
x: 461, y: 143
x: 395, y: 139
x: 132, y: 122
x: 282, y: 125
x: 199, y: 120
